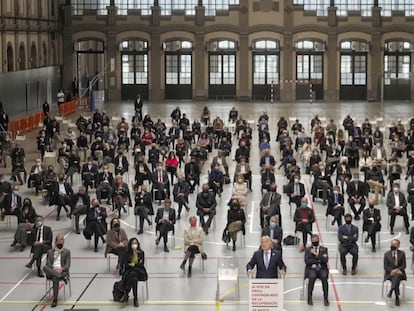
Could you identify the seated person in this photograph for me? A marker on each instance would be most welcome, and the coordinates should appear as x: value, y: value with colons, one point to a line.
x: 181, y: 190
x: 143, y: 207
x: 394, y: 266
x: 89, y: 173
x: 397, y: 206
x: 375, y: 179
x: 267, y: 159
x: 73, y: 165
x: 80, y: 204
x: 267, y: 178
x: 121, y: 163
x: 236, y: 218
x: 57, y: 266
x: 165, y: 221
x: 192, y: 174
x: 12, y: 203
x: 96, y: 223
x: 37, y: 173
x: 243, y: 168
x: 395, y: 170
x: 133, y: 270
x: 357, y: 192
x: 336, y: 206
x: 295, y: 191
x: 322, y: 180
x: 193, y: 244
x: 275, y: 232
x: 304, y: 218
x: 25, y: 223
x: 206, y: 206
x: 62, y: 193
x: 371, y: 217
x: 216, y: 180
x: 105, y: 182
x: 161, y: 183
x: 42, y: 237
x: 270, y: 205
x: 343, y: 173
x: 348, y: 238
x: 121, y: 196
x: 116, y: 240
x: 240, y: 191
x: 220, y: 159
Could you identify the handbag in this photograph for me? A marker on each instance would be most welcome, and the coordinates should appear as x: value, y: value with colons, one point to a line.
x: 225, y: 236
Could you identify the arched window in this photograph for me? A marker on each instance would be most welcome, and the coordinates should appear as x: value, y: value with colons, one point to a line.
x: 265, y: 53
x: 33, y: 56
x: 44, y: 53
x: 22, y: 57
x: 10, y: 58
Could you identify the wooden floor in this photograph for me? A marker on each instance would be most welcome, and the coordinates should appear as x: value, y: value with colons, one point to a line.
x: 169, y: 288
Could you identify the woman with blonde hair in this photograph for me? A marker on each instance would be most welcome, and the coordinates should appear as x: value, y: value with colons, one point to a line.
x: 240, y: 190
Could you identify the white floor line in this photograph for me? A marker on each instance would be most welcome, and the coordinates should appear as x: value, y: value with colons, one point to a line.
x: 251, y: 218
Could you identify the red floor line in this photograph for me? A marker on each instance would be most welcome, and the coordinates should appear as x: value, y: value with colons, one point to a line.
x: 49, y: 299
x: 331, y: 278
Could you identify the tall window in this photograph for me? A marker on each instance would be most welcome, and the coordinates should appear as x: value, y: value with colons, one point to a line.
x: 134, y: 62
x: 188, y: 6
x: 309, y: 59
x: 397, y: 60
x: 266, y: 62
x: 143, y: 5
x: 178, y: 62
x: 320, y: 6
x: 222, y: 62
x: 79, y: 6
x: 212, y: 6
x: 354, y: 62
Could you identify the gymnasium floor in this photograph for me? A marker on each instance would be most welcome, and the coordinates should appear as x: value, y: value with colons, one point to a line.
x: 169, y: 289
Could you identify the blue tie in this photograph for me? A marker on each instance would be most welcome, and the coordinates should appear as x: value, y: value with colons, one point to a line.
x: 267, y: 260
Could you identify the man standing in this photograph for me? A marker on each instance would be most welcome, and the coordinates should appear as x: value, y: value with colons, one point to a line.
x: 42, y: 243
x: 397, y: 205
x: 371, y: 217
x: 316, y: 261
x: 57, y: 266
x: 394, y: 266
x: 348, y: 237
x: 268, y: 261
x: 206, y: 206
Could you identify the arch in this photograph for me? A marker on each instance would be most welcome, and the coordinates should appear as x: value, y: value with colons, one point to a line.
x: 33, y: 56
x: 10, y: 57
x: 44, y: 54
x: 22, y: 57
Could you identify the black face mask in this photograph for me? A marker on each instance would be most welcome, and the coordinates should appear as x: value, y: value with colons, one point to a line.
x: 393, y: 247
x: 117, y: 227
x: 348, y: 221
x: 371, y: 206
x: 59, y: 246
x: 316, y: 243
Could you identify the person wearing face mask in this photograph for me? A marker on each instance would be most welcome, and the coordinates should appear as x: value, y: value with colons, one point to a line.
x: 270, y: 205
x: 394, y: 266
x: 379, y: 154
x: 192, y: 174
x: 357, y: 191
x: 116, y: 240
x: 63, y: 155
x: 410, y: 197
x: 395, y: 170
x: 348, y: 238
x: 121, y: 163
x: 37, y: 174
x: 193, y: 244
x: 267, y: 177
x: 73, y: 165
x: 206, y: 206
x: 181, y: 190
x: 105, y: 185
x: 80, y: 204
x: 41, y: 237
x: 375, y: 179
x: 236, y: 219
x: 322, y: 180
x: 160, y: 183
x: 275, y: 232
x: 121, y: 196
x: 316, y: 261
x: 240, y: 191
x: 304, y: 218
x: 57, y: 266
x: 216, y: 180
x: 12, y: 203
x: 295, y: 191
x: 371, y: 217
x: 26, y: 221
x: 143, y: 207
x: 96, y: 223
x: 336, y: 206
x: 62, y: 193
x: 89, y: 174
x: 397, y: 206
x: 165, y: 221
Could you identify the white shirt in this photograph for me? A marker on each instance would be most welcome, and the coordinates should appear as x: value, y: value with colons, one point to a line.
x: 266, y: 257
x: 379, y: 154
x: 242, y: 169
x: 120, y: 161
x: 62, y: 188
x: 397, y: 199
x: 57, y: 263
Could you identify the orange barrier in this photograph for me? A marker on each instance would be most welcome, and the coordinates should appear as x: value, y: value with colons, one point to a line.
x: 25, y: 124
x: 68, y: 107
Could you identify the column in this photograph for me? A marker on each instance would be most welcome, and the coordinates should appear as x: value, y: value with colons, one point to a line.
x: 68, y: 51
x: 332, y: 70
x: 243, y: 79
x: 375, y: 67
x: 200, y: 86
x: 157, y: 89
x: 113, y: 93
x: 287, y: 56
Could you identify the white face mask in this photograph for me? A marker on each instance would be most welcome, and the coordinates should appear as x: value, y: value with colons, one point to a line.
x: 396, y: 189
x: 134, y: 246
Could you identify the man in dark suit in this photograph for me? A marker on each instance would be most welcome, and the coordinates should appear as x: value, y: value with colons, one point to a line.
x: 105, y: 183
x: 192, y: 174
x: 121, y: 163
x: 206, y: 206
x: 267, y: 177
x: 161, y: 183
x: 394, y: 266
x: 165, y: 221
x: 37, y: 174
x: 397, y: 205
x: 336, y: 206
x: 268, y: 261
x: 143, y: 207
x: 89, y: 174
x: 42, y: 241
x: 295, y: 191
x: 348, y: 237
x: 270, y: 205
x: 275, y: 232
x: 57, y: 266
x: 4, y: 120
x: 304, y: 218
x: 80, y: 204
x: 371, y: 217
x: 62, y: 192
x: 316, y: 261
x: 181, y: 190
x: 322, y: 180
x: 357, y: 191
x: 12, y: 203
